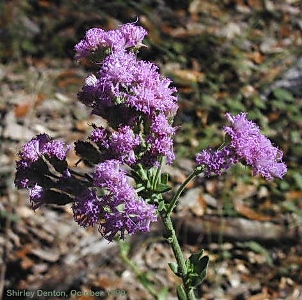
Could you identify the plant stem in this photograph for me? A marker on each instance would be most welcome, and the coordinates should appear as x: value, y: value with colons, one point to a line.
x: 158, y: 172
x: 172, y: 239
x: 174, y: 200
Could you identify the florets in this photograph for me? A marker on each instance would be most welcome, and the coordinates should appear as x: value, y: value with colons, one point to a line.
x: 254, y: 148
x: 247, y: 145
x: 127, y: 36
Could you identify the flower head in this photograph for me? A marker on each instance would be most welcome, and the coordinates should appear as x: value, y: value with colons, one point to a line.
x: 125, y: 81
x: 108, y: 174
x: 87, y: 208
x: 129, y: 217
x: 123, y: 143
x: 33, y: 149
x: 127, y: 36
x: 159, y: 140
x: 254, y: 148
x: 42, y: 144
x: 36, y: 195
x: 133, y: 35
x: 32, y: 167
x: 216, y: 161
x: 124, y: 211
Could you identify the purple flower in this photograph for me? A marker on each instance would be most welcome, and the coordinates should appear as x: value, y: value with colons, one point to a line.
x: 161, y: 126
x: 123, y: 79
x: 159, y: 140
x: 87, y: 208
x: 82, y: 49
x: 56, y: 149
x: 117, y: 72
x: 254, y: 148
x: 159, y: 146
x: 216, y: 161
x: 247, y: 145
x: 33, y: 149
x: 100, y: 136
x: 124, y: 212
x: 36, y: 196
x: 141, y: 215
x: 108, y: 174
x: 119, y: 145
x: 32, y: 168
x: 96, y: 37
x: 128, y: 35
x: 123, y: 143
x: 150, y: 92
x: 113, y: 180
x: 42, y: 144
x: 133, y: 35
x: 130, y: 217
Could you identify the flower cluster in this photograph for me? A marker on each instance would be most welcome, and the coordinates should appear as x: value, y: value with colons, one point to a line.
x: 124, y: 211
x: 41, y: 168
x: 118, y: 209
x: 247, y: 145
x: 128, y: 35
x: 254, y: 148
x: 139, y: 106
x: 120, y: 145
x: 33, y: 157
x: 129, y: 93
x: 126, y: 83
x: 216, y: 161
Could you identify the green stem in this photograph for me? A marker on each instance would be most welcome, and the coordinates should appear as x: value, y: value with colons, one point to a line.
x: 172, y: 239
x: 156, y: 178
x: 174, y: 200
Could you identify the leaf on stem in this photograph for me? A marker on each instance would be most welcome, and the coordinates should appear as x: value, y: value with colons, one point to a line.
x: 197, y: 265
x: 164, y: 178
x: 161, y: 206
x: 174, y: 268
x: 181, y: 294
x: 162, y: 188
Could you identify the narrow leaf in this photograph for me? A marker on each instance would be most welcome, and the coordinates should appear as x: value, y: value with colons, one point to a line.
x: 174, y: 268
x: 181, y: 294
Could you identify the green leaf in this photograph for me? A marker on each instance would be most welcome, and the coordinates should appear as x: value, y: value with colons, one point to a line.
x: 197, y: 265
x: 161, y: 206
x: 164, y: 178
x: 174, y: 268
x: 162, y: 188
x: 283, y: 94
x: 195, y: 257
x: 181, y: 294
x: 200, y: 272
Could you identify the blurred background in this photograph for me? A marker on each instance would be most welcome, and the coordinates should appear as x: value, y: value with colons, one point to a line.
x: 223, y: 56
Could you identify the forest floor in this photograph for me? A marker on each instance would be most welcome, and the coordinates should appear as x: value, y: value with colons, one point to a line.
x: 222, y: 56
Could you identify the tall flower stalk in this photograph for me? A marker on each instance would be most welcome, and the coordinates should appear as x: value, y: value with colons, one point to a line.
x: 124, y: 191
